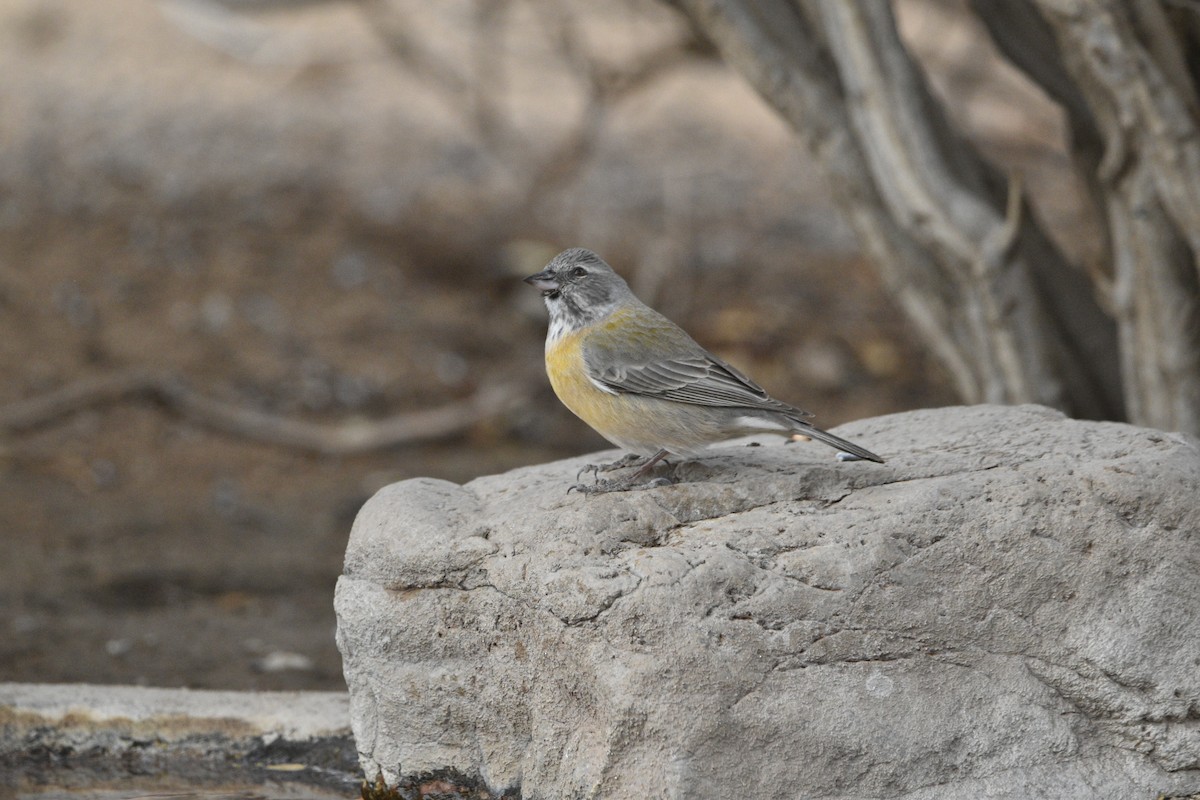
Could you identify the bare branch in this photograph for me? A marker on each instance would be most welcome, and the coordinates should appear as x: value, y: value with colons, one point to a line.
x: 338, y: 439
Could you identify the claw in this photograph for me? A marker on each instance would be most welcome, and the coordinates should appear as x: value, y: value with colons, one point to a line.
x: 625, y: 485
x: 627, y: 460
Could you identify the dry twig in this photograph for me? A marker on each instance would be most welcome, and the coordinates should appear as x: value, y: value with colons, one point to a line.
x: 350, y: 437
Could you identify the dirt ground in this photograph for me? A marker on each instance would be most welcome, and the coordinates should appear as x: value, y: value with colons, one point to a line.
x: 304, y: 238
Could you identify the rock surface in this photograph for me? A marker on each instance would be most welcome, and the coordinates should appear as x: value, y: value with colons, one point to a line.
x: 1009, y: 608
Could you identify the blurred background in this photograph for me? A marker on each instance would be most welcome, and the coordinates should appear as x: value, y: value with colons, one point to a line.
x: 243, y: 242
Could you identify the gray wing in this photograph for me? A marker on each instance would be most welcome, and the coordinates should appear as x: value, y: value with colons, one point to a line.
x: 697, y: 378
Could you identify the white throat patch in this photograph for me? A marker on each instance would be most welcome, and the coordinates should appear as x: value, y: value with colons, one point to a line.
x: 558, y: 328
x: 562, y: 323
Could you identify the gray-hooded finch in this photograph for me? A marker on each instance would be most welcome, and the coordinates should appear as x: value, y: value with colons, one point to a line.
x: 640, y: 381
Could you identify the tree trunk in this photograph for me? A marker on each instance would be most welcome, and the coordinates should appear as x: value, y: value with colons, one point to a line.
x: 998, y: 304
x: 1126, y: 64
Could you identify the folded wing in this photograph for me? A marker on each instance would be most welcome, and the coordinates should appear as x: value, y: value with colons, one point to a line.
x: 698, y: 378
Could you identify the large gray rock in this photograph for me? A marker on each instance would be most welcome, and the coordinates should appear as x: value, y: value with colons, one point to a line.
x: 1009, y: 608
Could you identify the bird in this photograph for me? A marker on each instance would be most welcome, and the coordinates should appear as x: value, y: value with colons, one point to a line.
x: 644, y: 384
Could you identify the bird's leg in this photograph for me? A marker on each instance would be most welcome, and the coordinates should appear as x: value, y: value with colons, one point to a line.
x: 631, y: 482
x: 627, y: 460
x: 644, y: 470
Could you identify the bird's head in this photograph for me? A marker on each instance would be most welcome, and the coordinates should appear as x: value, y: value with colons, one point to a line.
x: 579, y: 288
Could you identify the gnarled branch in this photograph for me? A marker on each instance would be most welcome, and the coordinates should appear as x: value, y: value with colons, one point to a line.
x: 352, y: 437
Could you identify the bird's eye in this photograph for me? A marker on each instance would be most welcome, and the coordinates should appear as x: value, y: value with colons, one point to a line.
x: 578, y: 272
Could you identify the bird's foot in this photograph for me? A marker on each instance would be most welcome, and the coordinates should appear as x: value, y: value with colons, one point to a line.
x: 633, y: 481
x: 622, y: 485
x: 627, y: 460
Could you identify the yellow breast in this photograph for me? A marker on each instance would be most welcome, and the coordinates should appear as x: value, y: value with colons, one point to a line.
x: 605, y: 412
x: 636, y: 423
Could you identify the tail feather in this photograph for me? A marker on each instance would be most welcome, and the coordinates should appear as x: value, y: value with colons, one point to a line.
x: 837, y: 441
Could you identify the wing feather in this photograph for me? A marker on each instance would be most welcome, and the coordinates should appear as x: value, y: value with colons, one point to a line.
x: 683, y: 371
x: 640, y: 352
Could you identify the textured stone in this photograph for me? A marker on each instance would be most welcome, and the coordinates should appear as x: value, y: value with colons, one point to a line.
x: 1009, y: 608
x: 77, y: 735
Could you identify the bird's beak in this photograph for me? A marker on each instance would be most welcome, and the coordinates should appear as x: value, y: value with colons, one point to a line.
x: 543, y: 281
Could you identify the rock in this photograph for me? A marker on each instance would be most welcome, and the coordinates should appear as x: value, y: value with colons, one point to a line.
x: 79, y: 738
x: 1009, y: 608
